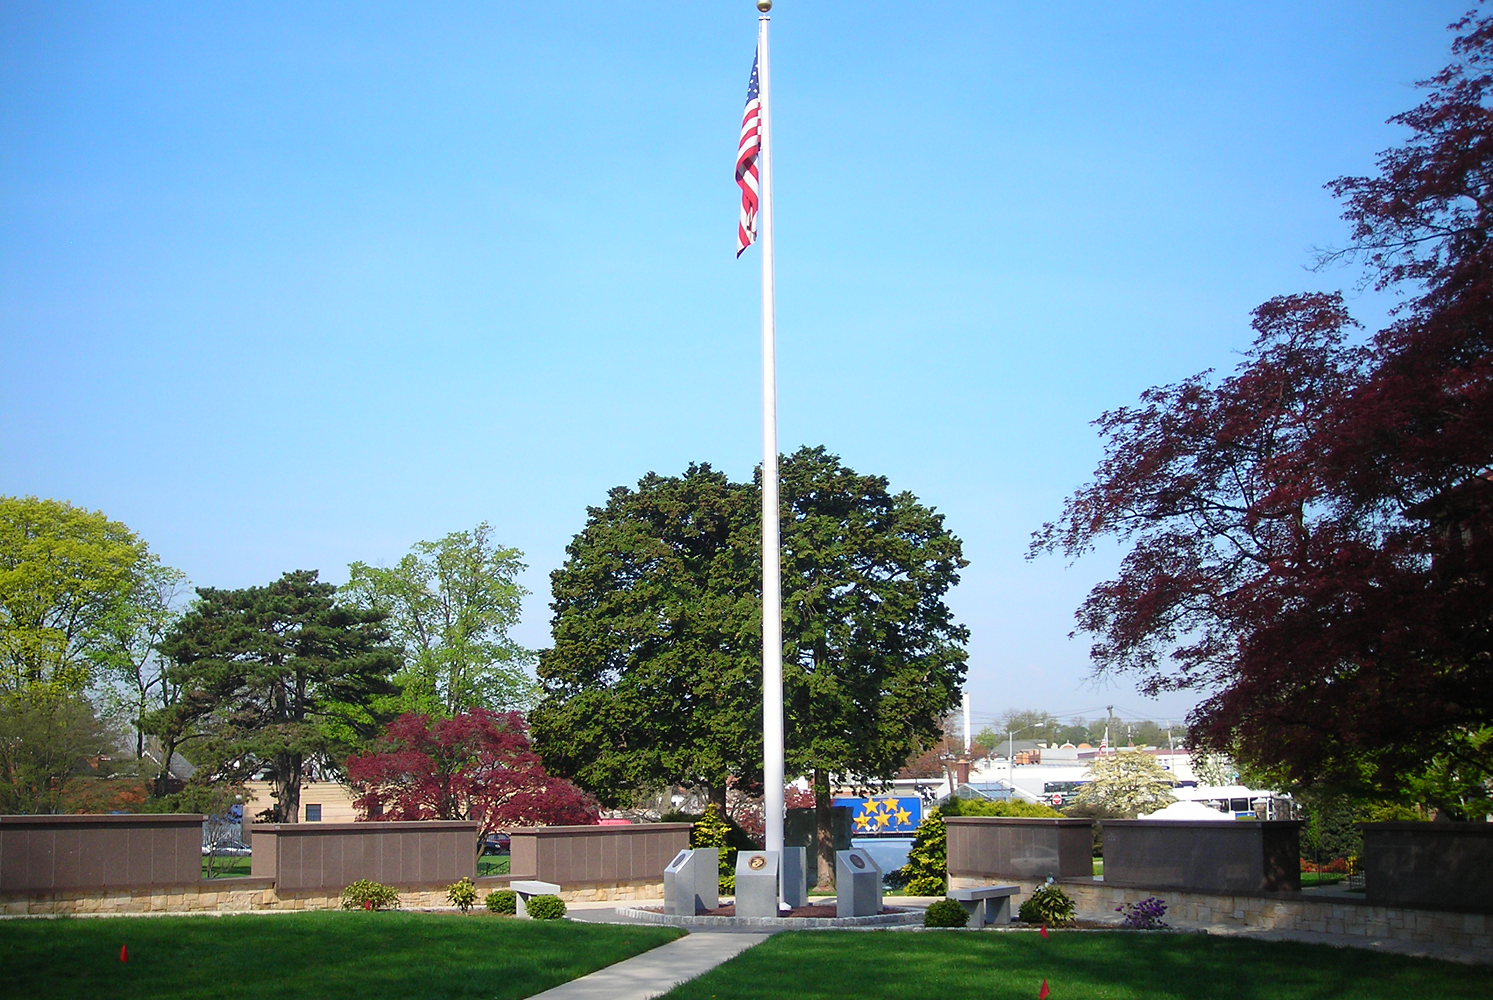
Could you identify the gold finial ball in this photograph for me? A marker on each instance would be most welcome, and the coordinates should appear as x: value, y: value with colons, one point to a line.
x: 764, y: 5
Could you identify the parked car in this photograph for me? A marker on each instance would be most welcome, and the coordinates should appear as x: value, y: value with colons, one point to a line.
x: 497, y: 843
x: 228, y: 849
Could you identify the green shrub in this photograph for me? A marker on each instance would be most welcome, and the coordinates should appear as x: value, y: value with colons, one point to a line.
x: 1048, y: 905
x: 545, y: 907
x: 945, y: 913
x: 711, y: 829
x: 462, y: 895
x: 503, y: 901
x: 926, y: 871
x: 366, y: 895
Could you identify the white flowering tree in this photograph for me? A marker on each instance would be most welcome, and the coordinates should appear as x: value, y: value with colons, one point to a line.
x: 1126, y: 782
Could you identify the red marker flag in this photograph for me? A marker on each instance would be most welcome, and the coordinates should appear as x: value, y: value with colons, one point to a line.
x: 1044, y: 930
x: 124, y: 953
x: 1042, y: 993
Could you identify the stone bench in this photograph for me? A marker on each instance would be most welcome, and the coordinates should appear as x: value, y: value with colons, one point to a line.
x: 988, y: 904
x: 531, y: 887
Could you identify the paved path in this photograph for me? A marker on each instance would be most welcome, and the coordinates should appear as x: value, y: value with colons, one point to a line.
x: 655, y: 972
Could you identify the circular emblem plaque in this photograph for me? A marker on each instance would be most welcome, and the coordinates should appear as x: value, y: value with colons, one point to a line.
x: 855, y: 859
x: 757, y: 863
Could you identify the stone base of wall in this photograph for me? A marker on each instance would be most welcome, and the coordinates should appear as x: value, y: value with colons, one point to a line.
x: 611, y: 891
x: 1467, y: 933
x: 246, y: 895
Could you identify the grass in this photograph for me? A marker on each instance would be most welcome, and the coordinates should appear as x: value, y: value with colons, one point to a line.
x: 228, y: 868
x: 493, y: 864
x: 891, y: 965
x: 309, y: 956
x: 1320, y: 878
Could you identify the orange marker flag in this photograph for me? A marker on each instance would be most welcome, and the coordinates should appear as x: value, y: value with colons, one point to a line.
x: 1042, y: 993
x: 1044, y: 930
x: 124, y: 953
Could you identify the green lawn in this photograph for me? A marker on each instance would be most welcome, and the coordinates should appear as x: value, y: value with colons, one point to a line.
x: 1320, y: 878
x: 308, y: 956
x: 227, y: 867
x: 493, y: 864
x: 892, y: 965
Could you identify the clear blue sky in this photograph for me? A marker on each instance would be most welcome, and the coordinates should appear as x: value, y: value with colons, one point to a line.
x: 290, y: 285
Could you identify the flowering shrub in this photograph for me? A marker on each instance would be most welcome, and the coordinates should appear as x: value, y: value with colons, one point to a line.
x: 1145, y: 915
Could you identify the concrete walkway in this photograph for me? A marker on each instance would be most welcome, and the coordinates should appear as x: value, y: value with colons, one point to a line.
x: 658, y: 971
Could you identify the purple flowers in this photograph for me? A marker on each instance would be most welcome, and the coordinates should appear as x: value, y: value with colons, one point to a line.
x: 1145, y: 915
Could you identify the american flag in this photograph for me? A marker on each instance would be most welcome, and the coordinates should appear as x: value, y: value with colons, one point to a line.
x: 746, y: 164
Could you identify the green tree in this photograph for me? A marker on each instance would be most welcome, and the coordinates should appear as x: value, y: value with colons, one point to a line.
x: 872, y: 655
x: 66, y: 575
x: 450, y: 605
x: 263, y: 669
x: 47, y: 741
x: 654, y: 677
x: 1127, y: 782
x: 655, y: 674
x: 136, y: 682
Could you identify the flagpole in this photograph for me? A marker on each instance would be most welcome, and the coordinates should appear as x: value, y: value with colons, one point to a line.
x: 772, y: 609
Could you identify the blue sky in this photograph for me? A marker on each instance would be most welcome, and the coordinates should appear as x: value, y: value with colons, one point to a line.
x: 286, y: 288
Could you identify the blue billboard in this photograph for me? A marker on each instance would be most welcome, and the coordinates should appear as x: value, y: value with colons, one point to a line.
x: 889, y: 815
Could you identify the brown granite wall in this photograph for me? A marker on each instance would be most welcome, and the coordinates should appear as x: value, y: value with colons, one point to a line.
x: 63, y: 853
x: 1448, y: 866
x: 331, y: 856
x: 1019, y: 847
x: 580, y: 857
x: 1242, y: 856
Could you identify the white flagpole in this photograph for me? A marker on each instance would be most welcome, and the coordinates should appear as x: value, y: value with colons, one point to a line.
x: 772, y: 598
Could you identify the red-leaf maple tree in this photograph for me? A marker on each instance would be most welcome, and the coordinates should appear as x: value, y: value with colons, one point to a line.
x: 1311, y: 538
x: 475, y: 765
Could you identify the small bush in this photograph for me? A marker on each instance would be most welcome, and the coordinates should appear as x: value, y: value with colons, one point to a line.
x: 945, y: 913
x: 545, y: 907
x: 462, y: 895
x: 1145, y: 915
x: 711, y: 829
x: 1048, y: 905
x: 366, y: 895
x: 503, y: 901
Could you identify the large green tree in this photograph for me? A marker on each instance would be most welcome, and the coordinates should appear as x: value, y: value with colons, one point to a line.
x: 655, y: 672
x: 263, y: 670
x: 872, y: 656
x: 67, y: 576
x: 450, y: 605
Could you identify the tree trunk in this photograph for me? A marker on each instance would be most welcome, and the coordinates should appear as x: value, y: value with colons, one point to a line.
x: 718, y: 798
x: 825, y: 832
x: 287, y: 786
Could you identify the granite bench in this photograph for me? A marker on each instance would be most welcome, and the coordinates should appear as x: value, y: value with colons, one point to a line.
x: 988, y: 904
